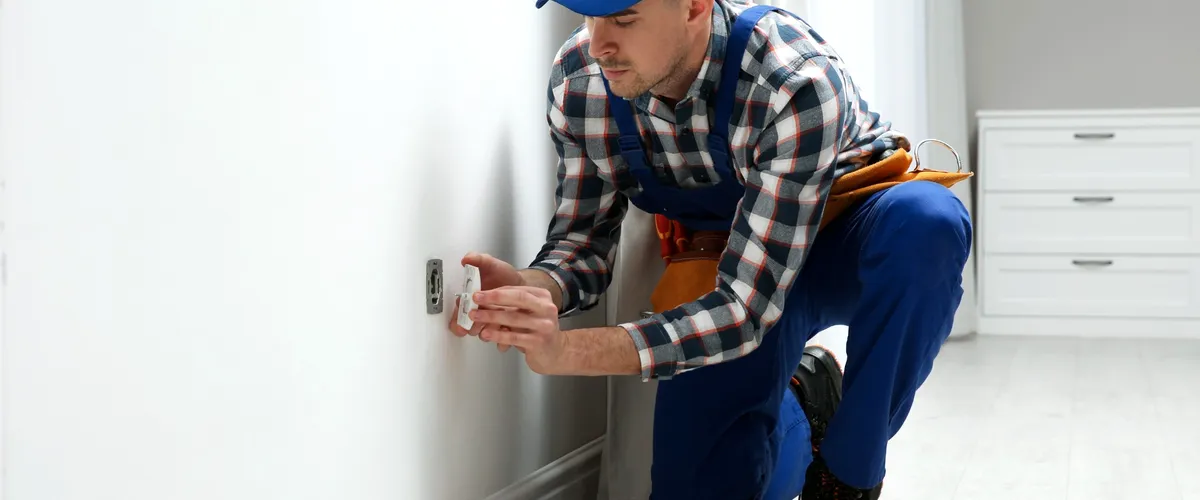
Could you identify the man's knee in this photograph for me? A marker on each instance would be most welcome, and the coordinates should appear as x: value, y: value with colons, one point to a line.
x: 922, y: 222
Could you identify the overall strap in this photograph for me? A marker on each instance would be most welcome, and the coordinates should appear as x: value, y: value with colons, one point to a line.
x: 630, y: 139
x: 731, y: 68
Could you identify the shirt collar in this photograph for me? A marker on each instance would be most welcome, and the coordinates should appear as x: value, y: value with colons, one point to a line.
x: 710, y: 71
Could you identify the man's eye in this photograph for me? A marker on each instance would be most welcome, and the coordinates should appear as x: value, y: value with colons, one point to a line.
x: 622, y: 24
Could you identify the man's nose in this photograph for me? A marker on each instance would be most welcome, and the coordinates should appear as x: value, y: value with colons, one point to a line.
x: 601, y: 44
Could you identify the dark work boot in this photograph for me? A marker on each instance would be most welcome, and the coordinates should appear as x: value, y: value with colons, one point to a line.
x: 817, y: 383
x: 820, y: 484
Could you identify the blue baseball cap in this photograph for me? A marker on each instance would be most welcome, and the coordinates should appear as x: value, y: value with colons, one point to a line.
x: 593, y: 8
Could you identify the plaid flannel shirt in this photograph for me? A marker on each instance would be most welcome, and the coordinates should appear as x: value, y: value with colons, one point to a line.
x: 798, y: 124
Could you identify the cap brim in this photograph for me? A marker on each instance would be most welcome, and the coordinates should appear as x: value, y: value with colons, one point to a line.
x: 593, y: 8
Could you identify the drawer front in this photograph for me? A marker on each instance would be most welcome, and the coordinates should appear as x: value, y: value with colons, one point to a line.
x: 1110, y: 286
x: 1106, y: 222
x: 1158, y: 158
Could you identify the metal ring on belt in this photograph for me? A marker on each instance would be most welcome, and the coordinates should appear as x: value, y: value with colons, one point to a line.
x: 917, y: 157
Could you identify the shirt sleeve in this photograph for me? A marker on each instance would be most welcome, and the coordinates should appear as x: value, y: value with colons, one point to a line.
x: 786, y: 188
x: 580, y: 244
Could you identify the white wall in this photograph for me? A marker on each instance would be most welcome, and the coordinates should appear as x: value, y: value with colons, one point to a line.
x: 1073, y: 54
x: 218, y: 217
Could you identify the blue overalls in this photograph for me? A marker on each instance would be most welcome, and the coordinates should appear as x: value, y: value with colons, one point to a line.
x: 889, y: 268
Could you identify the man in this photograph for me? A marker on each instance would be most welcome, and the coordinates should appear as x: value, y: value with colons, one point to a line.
x: 741, y: 118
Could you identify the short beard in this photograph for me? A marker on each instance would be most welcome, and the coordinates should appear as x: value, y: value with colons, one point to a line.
x: 674, y: 76
x: 640, y: 85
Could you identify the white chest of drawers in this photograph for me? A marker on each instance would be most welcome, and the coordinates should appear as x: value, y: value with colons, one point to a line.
x: 1089, y: 223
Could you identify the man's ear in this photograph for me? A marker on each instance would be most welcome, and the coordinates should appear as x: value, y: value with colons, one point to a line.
x: 699, y: 11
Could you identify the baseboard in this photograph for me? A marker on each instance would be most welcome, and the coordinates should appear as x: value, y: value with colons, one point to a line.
x: 961, y: 337
x: 1091, y: 327
x: 574, y: 476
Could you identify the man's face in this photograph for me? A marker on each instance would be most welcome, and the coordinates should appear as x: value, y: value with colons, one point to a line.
x: 641, y: 48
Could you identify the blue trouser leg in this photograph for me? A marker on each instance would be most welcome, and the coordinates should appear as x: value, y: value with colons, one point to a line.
x: 891, y: 269
x: 719, y: 432
x: 795, y: 451
x: 912, y: 245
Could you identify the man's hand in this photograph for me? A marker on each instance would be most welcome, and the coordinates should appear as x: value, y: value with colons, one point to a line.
x: 525, y: 317
x: 493, y: 273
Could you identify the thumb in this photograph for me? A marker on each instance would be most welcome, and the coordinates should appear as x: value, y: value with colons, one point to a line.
x: 485, y: 262
x: 476, y: 259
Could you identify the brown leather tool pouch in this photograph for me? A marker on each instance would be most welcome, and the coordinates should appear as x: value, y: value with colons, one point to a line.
x: 692, y: 272
x: 692, y: 257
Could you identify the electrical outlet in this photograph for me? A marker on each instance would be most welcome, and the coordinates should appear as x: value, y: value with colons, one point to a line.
x: 433, y: 286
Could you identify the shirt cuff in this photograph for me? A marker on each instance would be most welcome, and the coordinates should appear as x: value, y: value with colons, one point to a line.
x: 657, y: 347
x: 566, y: 282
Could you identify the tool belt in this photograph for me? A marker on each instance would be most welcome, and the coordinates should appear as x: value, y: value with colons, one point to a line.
x: 692, y: 256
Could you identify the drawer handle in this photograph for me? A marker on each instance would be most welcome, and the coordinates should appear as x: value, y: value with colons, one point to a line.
x: 1094, y: 136
x: 1101, y: 263
x: 1093, y: 199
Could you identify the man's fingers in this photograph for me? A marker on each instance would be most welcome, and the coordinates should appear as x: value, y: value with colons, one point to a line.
x: 514, y: 319
x: 515, y: 316
x: 478, y: 323
x: 493, y: 333
x: 529, y: 298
